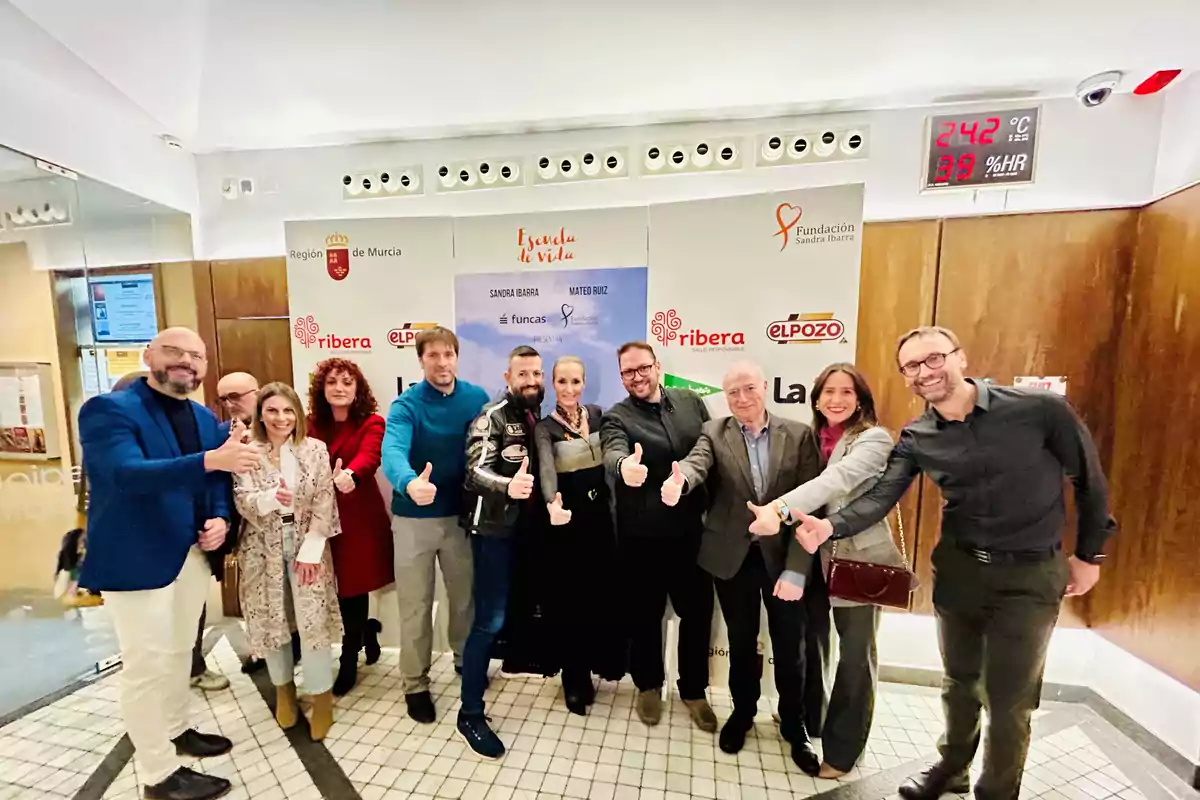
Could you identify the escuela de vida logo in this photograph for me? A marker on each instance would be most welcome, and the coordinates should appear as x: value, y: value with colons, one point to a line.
x: 667, y: 327
x: 788, y: 217
x: 307, y: 331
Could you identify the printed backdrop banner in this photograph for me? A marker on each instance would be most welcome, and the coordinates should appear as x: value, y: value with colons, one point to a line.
x: 567, y: 283
x: 362, y: 289
x: 769, y: 278
x: 581, y: 312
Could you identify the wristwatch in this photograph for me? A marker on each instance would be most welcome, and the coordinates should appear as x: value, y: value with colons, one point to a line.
x: 781, y: 508
x: 1095, y: 559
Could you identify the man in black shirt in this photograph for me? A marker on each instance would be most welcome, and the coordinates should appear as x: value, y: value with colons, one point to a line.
x: 658, y: 545
x: 999, y: 455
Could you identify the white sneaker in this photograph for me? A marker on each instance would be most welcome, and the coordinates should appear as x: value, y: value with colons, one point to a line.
x: 210, y: 681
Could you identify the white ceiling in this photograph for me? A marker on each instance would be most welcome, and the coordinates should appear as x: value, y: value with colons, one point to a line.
x: 244, y: 74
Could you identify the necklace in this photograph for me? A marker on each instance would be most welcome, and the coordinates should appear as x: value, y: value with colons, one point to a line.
x: 574, y: 421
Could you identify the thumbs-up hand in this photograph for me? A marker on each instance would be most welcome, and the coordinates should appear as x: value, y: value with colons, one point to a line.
x: 633, y: 471
x: 766, y: 519
x: 811, y: 533
x: 283, y: 494
x: 558, y: 515
x: 520, y: 486
x: 420, y: 489
x: 343, y: 479
x: 672, y: 487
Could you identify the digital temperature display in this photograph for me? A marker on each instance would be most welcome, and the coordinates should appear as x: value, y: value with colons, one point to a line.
x: 974, y: 150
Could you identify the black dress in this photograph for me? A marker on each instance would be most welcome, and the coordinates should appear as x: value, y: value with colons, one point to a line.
x: 585, y: 612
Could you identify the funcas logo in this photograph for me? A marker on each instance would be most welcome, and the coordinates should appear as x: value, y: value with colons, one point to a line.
x: 806, y: 329
x: 787, y: 215
x: 666, y: 327
x: 337, y: 256
x: 406, y: 334
x: 307, y: 331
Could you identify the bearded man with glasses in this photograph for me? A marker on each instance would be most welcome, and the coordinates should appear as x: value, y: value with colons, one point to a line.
x: 999, y: 455
x: 642, y: 437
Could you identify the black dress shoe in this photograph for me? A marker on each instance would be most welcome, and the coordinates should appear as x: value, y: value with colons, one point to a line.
x: 803, y: 754
x: 733, y: 733
x: 371, y: 641
x: 933, y: 783
x: 420, y: 707
x: 187, y: 784
x: 201, y: 745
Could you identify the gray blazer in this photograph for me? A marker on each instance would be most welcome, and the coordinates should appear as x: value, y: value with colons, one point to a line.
x: 720, y: 457
x: 854, y: 466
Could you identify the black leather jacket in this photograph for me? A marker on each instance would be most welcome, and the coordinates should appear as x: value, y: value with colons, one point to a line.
x: 497, y: 441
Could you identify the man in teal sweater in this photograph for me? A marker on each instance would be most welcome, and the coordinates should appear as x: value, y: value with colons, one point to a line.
x: 424, y: 457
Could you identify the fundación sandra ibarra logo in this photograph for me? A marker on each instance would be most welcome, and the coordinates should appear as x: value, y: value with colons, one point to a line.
x: 788, y: 217
x: 337, y: 254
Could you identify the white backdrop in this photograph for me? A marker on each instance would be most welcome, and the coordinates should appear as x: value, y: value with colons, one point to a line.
x: 772, y: 278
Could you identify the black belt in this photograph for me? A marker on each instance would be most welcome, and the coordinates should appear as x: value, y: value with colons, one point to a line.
x: 288, y: 519
x: 985, y: 556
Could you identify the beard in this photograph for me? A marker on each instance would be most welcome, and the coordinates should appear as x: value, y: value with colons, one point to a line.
x: 177, y: 387
x: 528, y: 401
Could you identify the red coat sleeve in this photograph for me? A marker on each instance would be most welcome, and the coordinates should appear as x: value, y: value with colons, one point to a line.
x: 366, y: 460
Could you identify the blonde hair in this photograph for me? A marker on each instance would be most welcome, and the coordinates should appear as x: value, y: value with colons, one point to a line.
x: 568, y: 360
x: 259, y: 430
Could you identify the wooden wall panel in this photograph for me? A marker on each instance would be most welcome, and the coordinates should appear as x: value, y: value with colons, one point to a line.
x: 255, y: 287
x: 1147, y: 599
x: 206, y: 326
x: 1038, y: 294
x: 262, y: 347
x: 899, y: 277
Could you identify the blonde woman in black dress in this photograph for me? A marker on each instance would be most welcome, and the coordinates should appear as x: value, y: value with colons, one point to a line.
x: 581, y: 537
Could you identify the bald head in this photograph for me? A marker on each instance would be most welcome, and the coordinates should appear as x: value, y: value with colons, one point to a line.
x: 745, y: 389
x: 177, y: 361
x: 238, y: 392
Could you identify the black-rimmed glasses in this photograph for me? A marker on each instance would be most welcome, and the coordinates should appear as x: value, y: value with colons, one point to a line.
x: 641, y: 372
x: 933, y: 361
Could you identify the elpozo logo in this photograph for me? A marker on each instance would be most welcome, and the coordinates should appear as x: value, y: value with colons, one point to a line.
x: 337, y: 254
x: 666, y: 327
x: 307, y: 331
x: 807, y: 329
x: 788, y: 218
x: 406, y: 334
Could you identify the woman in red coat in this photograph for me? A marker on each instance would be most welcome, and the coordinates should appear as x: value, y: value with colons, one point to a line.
x: 342, y: 414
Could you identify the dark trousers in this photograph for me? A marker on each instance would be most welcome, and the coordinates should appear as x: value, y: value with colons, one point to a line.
x: 354, y: 620
x: 655, y: 568
x: 198, y: 665
x: 492, y: 573
x: 994, y: 626
x: 742, y: 597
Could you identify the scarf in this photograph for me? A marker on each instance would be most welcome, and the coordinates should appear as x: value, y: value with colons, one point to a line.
x: 830, y: 436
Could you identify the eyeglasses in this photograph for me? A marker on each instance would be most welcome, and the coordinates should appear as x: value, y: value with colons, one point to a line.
x: 642, y: 371
x: 933, y: 361
x: 178, y: 352
x: 233, y: 397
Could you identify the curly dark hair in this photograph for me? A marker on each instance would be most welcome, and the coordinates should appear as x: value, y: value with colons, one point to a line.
x: 320, y: 412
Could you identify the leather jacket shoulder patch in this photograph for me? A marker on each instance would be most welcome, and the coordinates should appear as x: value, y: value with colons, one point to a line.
x: 514, y: 429
x: 514, y: 453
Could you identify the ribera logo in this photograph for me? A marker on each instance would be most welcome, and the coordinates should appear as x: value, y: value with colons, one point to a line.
x: 666, y: 327
x: 406, y: 334
x: 806, y: 329
x: 788, y: 218
x: 307, y: 331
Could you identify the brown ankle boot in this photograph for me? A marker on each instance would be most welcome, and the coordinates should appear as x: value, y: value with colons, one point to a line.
x: 286, y: 708
x: 322, y: 715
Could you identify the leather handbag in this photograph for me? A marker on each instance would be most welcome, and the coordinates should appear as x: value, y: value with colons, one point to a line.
x: 231, y: 586
x: 869, y: 583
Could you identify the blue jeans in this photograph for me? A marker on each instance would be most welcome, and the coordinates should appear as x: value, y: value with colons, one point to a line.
x: 493, y: 566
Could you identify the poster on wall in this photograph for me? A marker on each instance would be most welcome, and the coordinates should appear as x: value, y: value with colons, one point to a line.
x: 566, y: 283
x: 587, y: 313
x: 362, y: 290
x: 769, y: 278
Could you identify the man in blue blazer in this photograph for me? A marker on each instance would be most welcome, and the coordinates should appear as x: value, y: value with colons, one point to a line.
x: 158, y: 467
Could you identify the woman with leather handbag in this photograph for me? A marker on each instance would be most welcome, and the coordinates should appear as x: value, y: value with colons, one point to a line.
x: 863, y: 572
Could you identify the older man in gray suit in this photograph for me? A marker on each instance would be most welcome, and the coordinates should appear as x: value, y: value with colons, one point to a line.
x: 747, y: 458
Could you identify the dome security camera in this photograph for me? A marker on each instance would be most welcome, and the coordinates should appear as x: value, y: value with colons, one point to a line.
x: 1095, y: 90
x: 410, y: 181
x: 567, y: 167
x: 679, y: 158
x: 852, y: 142
x: 826, y: 144
x: 370, y: 186
x: 466, y: 176
x: 446, y: 177
x: 487, y: 173
x: 702, y: 154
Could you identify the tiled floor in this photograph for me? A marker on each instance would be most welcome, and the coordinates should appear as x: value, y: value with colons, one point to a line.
x: 608, y: 755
